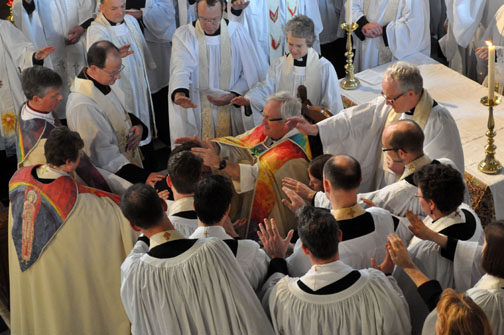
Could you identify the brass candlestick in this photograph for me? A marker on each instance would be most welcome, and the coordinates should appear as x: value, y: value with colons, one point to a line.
x: 349, y: 82
x: 490, y: 165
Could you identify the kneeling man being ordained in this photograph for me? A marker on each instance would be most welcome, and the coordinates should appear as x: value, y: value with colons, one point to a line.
x: 259, y: 159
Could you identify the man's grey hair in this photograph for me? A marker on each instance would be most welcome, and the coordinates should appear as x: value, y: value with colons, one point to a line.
x: 301, y: 26
x: 38, y: 81
x: 291, y: 106
x: 407, y: 76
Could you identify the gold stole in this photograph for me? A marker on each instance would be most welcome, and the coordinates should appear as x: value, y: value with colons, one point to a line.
x: 87, y: 88
x: 223, y: 116
x: 384, y: 54
x: 420, y: 116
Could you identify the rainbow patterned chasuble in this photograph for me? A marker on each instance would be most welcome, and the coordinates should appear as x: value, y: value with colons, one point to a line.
x: 39, y: 210
x: 270, y: 160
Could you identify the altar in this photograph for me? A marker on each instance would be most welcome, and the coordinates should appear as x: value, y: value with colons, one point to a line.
x: 461, y: 96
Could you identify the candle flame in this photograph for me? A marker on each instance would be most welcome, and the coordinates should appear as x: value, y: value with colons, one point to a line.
x: 489, y: 43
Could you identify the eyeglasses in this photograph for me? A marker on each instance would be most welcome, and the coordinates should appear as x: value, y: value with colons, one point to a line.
x: 202, y: 19
x: 113, y: 74
x: 272, y: 120
x: 383, y: 149
x: 419, y: 196
x: 392, y: 100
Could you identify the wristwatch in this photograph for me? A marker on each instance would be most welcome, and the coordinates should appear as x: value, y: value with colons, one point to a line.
x: 222, y: 164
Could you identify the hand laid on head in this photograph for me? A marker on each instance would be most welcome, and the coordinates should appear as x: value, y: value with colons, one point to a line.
x: 209, y: 155
x: 239, y: 4
x: 482, y: 53
x: 301, y: 189
x: 183, y: 101
x: 387, y: 266
x: 274, y: 245
x: 301, y: 124
x: 295, y: 202
x: 195, y: 138
x: 153, y: 178
x: 372, y: 30
x: 221, y: 101
x: 124, y: 50
x: 134, y: 137
x: 44, y: 52
x: 74, y: 34
x: 398, y: 252
x: 240, y: 100
x: 397, y: 168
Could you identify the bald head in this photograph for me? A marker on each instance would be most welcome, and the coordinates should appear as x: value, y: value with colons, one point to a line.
x: 343, y: 172
x: 405, y: 135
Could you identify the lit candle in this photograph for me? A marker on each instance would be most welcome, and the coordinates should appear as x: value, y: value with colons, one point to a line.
x: 491, y: 70
x: 349, y: 12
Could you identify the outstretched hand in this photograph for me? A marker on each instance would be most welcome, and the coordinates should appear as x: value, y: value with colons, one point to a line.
x: 44, y: 52
x: 274, y: 245
x: 417, y: 226
x: 124, y: 50
x: 240, y: 100
x: 301, y: 124
x: 295, y: 202
x: 239, y: 4
x: 398, y: 252
x: 387, y: 266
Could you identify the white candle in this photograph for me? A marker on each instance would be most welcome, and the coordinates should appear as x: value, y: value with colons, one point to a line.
x: 349, y: 12
x: 491, y: 70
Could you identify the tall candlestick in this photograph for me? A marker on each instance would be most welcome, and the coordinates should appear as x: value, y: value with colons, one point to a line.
x: 491, y: 70
x: 349, y: 12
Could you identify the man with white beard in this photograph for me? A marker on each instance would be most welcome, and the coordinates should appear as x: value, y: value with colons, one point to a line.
x: 61, y: 24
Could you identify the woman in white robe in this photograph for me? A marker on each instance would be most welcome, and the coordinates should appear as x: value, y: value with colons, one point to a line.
x: 302, y: 66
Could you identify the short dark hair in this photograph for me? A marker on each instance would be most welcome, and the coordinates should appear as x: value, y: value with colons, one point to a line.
x: 62, y: 145
x: 211, y: 3
x: 316, y: 166
x: 491, y: 259
x: 346, y: 177
x: 442, y: 184
x: 97, y: 53
x: 410, y: 139
x: 141, y: 205
x: 319, y: 231
x: 212, y: 198
x: 38, y: 81
x: 184, y: 169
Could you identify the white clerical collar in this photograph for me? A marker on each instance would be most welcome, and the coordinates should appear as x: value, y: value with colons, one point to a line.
x: 489, y: 282
x: 415, y: 165
x: 211, y: 231
x: 181, y: 205
x: 164, y: 237
x: 320, y: 276
x: 28, y: 114
x: 348, y: 213
x: 46, y: 172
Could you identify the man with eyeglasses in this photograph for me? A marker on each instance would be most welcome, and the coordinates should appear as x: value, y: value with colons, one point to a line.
x: 258, y: 160
x: 110, y: 133
x: 213, y: 61
x: 357, y: 131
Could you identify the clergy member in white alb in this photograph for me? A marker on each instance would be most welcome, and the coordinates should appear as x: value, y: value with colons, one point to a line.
x: 174, y: 285
x: 389, y: 30
x: 302, y: 66
x: 212, y: 201
x: 332, y: 297
x: 115, y: 26
x: 61, y: 24
x: 211, y: 54
x: 16, y: 54
x: 265, y: 19
x: 357, y: 131
x: 364, y: 232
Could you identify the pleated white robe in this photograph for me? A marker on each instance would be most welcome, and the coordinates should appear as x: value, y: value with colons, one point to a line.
x: 407, y: 31
x: 201, y: 291
x: 245, y: 72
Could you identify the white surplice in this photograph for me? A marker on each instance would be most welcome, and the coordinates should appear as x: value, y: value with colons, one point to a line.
x: 160, y: 23
x: 16, y: 54
x: 355, y: 252
x: 256, y: 20
x: 357, y: 132
x: 407, y: 29
x: 318, y: 76
x: 200, y: 291
x: 372, y: 305
x: 184, y: 66
x: 49, y: 25
x: 134, y: 81
x: 252, y: 259
x: 185, y: 225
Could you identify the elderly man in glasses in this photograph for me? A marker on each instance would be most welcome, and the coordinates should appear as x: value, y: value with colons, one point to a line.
x: 357, y: 131
x: 110, y: 133
x: 258, y: 160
